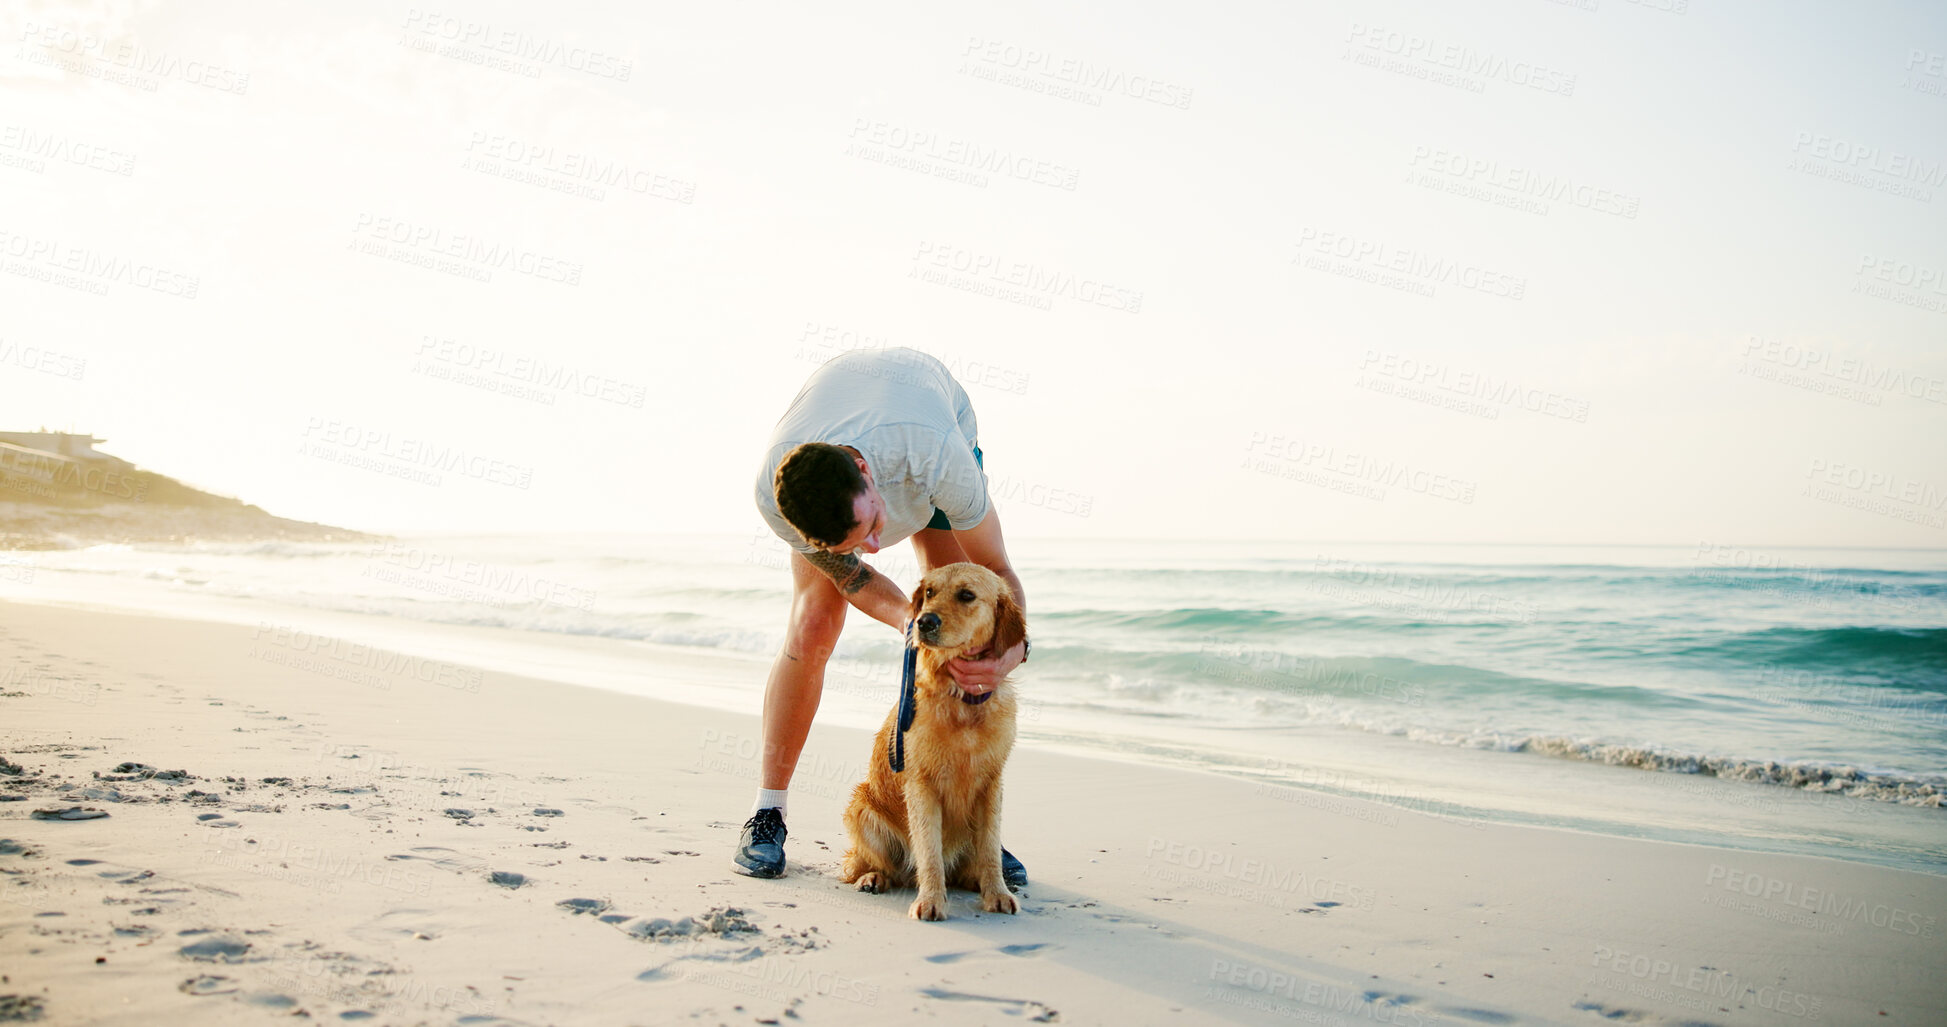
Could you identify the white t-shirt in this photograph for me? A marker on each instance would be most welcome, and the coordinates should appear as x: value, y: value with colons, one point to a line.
x: 909, y: 420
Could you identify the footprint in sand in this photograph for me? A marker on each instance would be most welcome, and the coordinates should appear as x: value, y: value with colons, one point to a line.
x: 593, y: 806
x: 21, y: 1007
x: 1036, y: 1012
x: 70, y: 813
x: 220, y: 949
x: 444, y: 858
x: 1033, y: 949
x: 121, y: 875
x: 1481, y: 1015
x: 386, y: 928
x: 208, y: 984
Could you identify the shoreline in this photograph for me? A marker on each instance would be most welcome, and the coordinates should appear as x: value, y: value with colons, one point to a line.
x: 1307, y: 764
x: 1157, y: 892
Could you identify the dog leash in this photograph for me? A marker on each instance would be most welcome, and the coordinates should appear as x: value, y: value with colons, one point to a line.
x: 908, y: 703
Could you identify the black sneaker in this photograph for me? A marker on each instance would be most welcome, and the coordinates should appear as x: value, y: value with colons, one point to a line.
x: 761, y: 850
x: 1012, y: 872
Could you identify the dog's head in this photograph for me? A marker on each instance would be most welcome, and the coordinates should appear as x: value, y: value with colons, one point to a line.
x: 966, y: 610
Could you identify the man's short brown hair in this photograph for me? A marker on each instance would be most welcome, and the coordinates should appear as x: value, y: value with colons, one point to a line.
x: 816, y: 486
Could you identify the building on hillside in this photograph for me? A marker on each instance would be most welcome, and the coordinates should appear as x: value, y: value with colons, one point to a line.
x: 74, y: 447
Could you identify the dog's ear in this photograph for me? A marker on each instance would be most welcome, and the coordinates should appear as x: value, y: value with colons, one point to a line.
x: 919, y: 599
x: 1010, y: 627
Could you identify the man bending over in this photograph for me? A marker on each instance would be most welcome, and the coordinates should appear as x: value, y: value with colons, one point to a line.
x: 879, y: 446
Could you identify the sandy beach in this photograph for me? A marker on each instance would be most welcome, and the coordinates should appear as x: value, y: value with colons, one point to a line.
x: 1474, y: 477
x: 301, y: 827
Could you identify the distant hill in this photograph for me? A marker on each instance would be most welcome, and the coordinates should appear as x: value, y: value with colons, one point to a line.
x: 57, y: 491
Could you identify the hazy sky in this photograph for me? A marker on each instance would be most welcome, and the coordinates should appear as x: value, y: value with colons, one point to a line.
x: 1510, y: 270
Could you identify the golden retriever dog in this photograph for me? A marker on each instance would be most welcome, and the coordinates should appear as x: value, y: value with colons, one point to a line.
x: 937, y: 823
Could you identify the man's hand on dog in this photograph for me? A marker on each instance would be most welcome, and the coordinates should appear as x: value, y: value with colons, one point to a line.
x: 982, y: 675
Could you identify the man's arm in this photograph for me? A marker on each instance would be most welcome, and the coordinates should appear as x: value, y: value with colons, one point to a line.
x: 872, y: 593
x: 983, y: 545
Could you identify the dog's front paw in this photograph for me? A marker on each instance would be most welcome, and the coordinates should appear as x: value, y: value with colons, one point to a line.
x: 929, y: 907
x: 872, y: 881
x: 1001, y: 901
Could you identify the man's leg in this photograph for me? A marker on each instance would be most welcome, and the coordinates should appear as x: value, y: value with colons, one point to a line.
x: 791, y: 697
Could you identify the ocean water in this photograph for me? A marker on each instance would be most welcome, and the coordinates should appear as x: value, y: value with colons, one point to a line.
x: 1783, y: 699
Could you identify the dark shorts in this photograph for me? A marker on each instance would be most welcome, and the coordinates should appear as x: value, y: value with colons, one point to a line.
x: 939, y: 515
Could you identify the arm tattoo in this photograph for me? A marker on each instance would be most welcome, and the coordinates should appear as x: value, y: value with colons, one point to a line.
x: 846, y: 570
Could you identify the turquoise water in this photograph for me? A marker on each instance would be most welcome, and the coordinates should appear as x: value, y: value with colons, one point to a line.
x: 1812, y: 671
